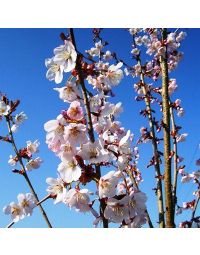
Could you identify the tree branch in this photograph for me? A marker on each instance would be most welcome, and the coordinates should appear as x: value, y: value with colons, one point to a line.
x: 166, y: 136
x: 24, y: 174
x: 155, y: 151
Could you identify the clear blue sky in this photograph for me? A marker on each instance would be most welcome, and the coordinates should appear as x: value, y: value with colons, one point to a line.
x: 23, y: 52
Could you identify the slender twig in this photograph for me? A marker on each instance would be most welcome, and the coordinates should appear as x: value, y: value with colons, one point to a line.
x: 166, y: 137
x: 89, y: 119
x: 24, y: 174
x: 37, y: 204
x: 10, y: 225
x: 155, y: 150
x: 195, y: 207
x: 175, y: 156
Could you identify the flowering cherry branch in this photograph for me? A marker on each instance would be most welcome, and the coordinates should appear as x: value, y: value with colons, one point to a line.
x: 156, y: 154
x: 19, y: 159
x: 81, y: 153
x: 89, y: 118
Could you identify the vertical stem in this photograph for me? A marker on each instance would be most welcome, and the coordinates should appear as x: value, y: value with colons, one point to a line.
x: 166, y: 136
x: 155, y: 153
x: 25, y: 174
x: 89, y: 119
x: 174, y: 188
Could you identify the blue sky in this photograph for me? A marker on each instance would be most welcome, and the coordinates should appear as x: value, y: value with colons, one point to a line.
x: 23, y: 52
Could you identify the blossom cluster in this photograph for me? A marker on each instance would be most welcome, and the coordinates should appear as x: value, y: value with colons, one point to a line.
x: 24, y: 207
x: 156, y: 47
x: 27, y: 153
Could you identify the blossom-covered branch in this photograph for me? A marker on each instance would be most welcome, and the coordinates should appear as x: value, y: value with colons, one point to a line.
x: 6, y: 110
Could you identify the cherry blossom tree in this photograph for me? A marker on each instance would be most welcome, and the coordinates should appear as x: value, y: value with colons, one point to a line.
x: 93, y: 146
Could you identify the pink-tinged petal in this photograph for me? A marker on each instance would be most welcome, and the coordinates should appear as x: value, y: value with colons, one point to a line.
x: 7, y: 209
x: 21, y: 197
x: 51, y: 125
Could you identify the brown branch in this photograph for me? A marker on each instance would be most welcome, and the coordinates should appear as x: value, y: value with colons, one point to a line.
x: 166, y: 136
x: 24, y: 174
x: 37, y: 204
x: 89, y: 119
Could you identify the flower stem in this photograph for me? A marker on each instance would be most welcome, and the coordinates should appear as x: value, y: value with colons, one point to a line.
x: 89, y: 119
x: 24, y: 172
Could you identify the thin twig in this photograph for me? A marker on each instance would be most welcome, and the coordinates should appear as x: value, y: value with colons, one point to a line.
x: 155, y: 150
x: 37, y: 204
x: 24, y: 172
x: 195, y: 207
x: 175, y: 156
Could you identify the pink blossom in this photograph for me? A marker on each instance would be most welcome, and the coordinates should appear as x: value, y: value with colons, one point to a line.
x: 55, y: 132
x: 117, y: 210
x: 75, y: 133
x: 75, y: 111
x: 69, y: 92
x: 56, y: 188
x: 107, y: 184
x: 93, y: 153
x: 79, y: 199
x: 33, y: 164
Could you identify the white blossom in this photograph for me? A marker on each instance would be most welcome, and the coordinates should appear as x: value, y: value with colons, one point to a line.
x: 107, y: 184
x: 20, y: 118
x: 79, y: 199
x: 15, y: 211
x: 117, y: 210
x: 69, y: 170
x: 33, y: 164
x: 55, y: 71
x: 75, y: 133
x: 56, y: 188
x: 4, y: 108
x: 65, y: 56
x: 68, y: 93
x: 32, y: 147
x: 27, y: 202
x: 12, y: 161
x: 93, y: 153
x: 114, y: 74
